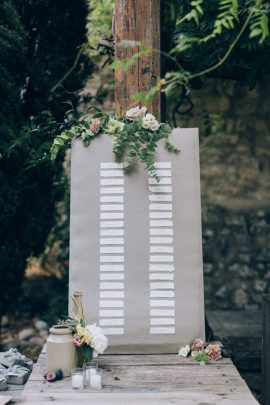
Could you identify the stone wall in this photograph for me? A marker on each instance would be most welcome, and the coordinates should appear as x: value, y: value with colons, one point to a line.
x: 235, y: 185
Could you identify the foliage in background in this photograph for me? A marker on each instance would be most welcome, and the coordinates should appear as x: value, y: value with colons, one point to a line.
x: 40, y: 43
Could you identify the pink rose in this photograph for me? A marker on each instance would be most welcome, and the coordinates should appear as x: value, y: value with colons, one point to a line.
x: 197, y: 345
x: 136, y: 112
x: 77, y: 340
x: 95, y: 125
x: 214, y: 352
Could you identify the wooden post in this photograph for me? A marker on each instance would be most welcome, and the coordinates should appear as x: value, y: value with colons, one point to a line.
x: 137, y: 20
x: 266, y: 351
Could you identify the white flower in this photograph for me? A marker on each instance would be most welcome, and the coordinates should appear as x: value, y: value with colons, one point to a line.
x: 99, y: 341
x: 114, y: 126
x: 149, y: 122
x: 136, y: 112
x: 184, y: 351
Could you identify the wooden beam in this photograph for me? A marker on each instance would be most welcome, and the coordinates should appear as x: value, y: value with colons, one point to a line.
x: 137, y: 20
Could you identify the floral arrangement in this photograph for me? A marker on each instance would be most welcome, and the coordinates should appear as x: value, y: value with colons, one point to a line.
x: 201, y: 351
x: 89, y: 340
x: 135, y: 135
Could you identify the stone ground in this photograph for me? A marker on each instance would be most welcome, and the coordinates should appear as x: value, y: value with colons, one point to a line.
x: 241, y: 334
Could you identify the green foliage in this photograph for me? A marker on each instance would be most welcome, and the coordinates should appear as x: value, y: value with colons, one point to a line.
x: 38, y: 45
x: 201, y: 356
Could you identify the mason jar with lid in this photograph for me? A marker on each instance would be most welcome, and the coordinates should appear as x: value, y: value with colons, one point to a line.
x: 60, y: 350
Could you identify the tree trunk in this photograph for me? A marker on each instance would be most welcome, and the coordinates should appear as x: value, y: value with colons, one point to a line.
x: 137, y: 20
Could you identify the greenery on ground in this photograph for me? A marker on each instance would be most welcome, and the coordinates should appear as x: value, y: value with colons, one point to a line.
x: 39, y: 45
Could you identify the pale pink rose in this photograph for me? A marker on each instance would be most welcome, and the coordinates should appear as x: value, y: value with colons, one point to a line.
x: 136, y: 112
x: 197, y: 345
x: 77, y: 341
x: 95, y: 125
x: 214, y: 352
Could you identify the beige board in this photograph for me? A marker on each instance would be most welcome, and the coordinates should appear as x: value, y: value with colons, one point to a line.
x: 135, y: 245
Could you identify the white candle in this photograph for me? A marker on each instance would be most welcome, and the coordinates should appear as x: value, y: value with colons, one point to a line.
x: 95, y: 381
x: 77, y: 381
x: 89, y: 372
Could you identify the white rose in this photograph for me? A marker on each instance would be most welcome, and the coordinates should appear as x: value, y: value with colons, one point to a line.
x: 184, y: 351
x: 149, y: 122
x: 99, y: 341
x: 136, y: 112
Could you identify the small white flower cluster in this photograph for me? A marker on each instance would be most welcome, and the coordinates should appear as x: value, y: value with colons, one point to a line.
x: 114, y: 126
x: 184, y: 351
x: 99, y: 341
x: 149, y: 122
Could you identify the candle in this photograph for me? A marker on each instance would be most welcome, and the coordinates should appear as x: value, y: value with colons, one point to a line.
x: 77, y: 381
x: 95, y: 381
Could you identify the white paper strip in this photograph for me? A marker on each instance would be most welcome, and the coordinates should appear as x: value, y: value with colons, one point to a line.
x: 111, y: 173
x: 112, y: 199
x: 111, y: 165
x: 111, y: 286
x: 111, y: 215
x: 160, y: 207
x: 162, y: 286
x: 161, y: 231
x: 109, y: 207
x: 111, y: 294
x: 161, y: 294
x: 161, y: 223
x: 158, y: 249
x: 111, y: 304
x: 162, y: 303
x: 111, y: 259
x: 111, y: 312
x: 112, y: 182
x: 162, y: 321
x: 112, y: 224
x: 112, y: 190
x: 112, y: 232
x: 160, y: 182
x: 162, y: 312
x: 111, y: 322
x: 162, y: 165
x: 160, y: 215
x: 163, y: 173
x: 161, y: 240
x: 160, y: 189
x: 119, y: 276
x: 161, y: 267
x: 162, y: 330
x: 160, y: 197
x: 111, y: 267
x: 161, y: 276
x: 112, y: 249
x: 112, y: 241
x: 113, y: 331
x: 161, y: 259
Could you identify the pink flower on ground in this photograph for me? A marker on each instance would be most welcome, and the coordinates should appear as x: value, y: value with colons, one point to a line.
x: 136, y: 112
x: 95, y: 125
x: 197, y: 345
x: 77, y: 340
x: 214, y: 352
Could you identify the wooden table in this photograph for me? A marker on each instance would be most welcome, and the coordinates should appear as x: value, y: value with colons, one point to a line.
x: 148, y: 380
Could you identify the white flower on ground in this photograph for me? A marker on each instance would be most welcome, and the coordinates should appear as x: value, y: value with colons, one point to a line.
x: 136, y: 112
x: 184, y: 351
x: 114, y: 126
x: 99, y: 341
x: 149, y: 122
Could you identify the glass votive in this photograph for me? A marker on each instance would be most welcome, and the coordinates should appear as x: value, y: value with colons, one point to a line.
x: 96, y: 380
x: 77, y: 380
x: 89, y: 369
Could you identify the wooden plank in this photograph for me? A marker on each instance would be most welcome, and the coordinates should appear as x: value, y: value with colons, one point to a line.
x: 137, y: 20
x: 146, y: 379
x: 266, y: 350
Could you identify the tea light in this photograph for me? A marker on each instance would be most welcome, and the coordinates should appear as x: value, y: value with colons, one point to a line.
x: 95, y: 380
x: 77, y: 378
x: 89, y: 369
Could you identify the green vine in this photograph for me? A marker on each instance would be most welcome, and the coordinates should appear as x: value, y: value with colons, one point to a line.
x: 135, y: 136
